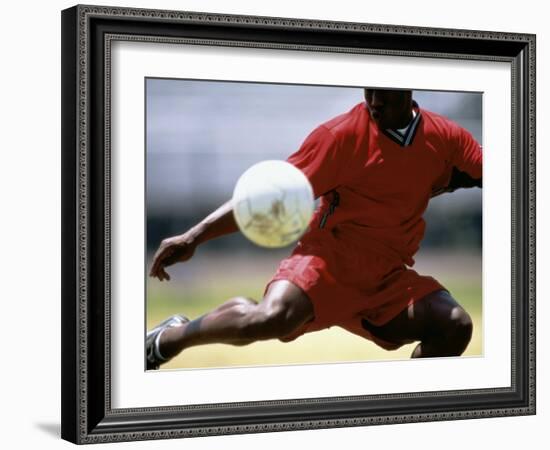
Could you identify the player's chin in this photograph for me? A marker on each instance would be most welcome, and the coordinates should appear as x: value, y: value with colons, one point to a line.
x: 379, y: 120
x: 381, y: 123
x: 387, y: 123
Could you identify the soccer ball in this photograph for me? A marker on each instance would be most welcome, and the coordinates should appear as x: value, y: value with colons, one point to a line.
x: 273, y: 203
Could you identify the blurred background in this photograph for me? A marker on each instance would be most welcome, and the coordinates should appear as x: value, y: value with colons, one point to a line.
x: 200, y: 137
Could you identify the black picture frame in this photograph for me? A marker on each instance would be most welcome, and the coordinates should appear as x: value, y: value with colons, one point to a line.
x: 87, y: 415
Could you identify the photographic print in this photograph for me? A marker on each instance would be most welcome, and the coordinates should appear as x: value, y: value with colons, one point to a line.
x: 387, y: 267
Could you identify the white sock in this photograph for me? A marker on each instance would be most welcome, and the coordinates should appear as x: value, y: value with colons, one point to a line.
x: 156, y: 349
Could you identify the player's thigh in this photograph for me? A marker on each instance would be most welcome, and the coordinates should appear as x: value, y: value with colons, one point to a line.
x: 428, y: 316
x: 286, y: 301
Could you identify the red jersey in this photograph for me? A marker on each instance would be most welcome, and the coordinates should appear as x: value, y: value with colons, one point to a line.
x: 375, y: 184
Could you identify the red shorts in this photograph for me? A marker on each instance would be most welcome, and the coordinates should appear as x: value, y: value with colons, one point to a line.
x: 347, y: 286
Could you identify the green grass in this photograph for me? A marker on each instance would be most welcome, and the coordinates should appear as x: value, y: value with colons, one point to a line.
x: 332, y: 345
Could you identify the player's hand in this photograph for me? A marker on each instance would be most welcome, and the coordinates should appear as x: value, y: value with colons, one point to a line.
x: 171, y: 250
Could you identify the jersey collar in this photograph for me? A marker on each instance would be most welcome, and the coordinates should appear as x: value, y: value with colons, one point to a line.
x: 406, y: 138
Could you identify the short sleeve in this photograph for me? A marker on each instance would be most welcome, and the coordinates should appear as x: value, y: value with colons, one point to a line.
x: 318, y: 158
x: 467, y: 155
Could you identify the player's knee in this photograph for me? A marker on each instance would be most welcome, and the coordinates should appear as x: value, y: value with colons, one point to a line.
x: 460, y: 328
x: 276, y: 322
x: 452, y: 325
x: 269, y: 322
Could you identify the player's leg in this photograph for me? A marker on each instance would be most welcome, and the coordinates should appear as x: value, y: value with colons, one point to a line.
x: 241, y: 321
x: 441, y: 325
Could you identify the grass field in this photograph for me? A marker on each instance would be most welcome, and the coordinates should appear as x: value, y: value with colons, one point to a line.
x: 204, y: 283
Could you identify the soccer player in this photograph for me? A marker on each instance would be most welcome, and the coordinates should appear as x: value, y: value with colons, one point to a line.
x: 375, y: 168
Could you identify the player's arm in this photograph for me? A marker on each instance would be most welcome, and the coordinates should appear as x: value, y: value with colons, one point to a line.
x: 465, y: 170
x: 320, y: 160
x: 180, y: 248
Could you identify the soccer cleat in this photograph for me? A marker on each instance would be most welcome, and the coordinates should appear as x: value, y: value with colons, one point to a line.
x: 154, y: 357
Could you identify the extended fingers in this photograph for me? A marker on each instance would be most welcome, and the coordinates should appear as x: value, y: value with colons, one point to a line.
x: 163, y: 275
x: 159, y: 262
x: 160, y: 273
x: 155, y: 266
